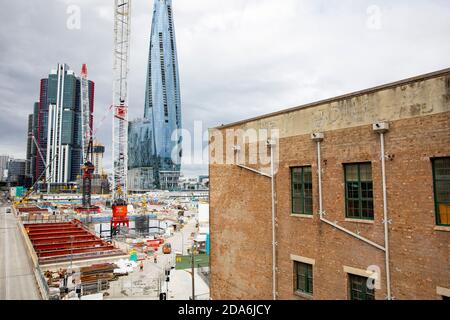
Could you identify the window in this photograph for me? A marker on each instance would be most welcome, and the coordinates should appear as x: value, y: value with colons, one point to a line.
x: 358, y: 288
x: 303, y: 277
x: 358, y: 191
x: 441, y: 179
x: 301, y: 190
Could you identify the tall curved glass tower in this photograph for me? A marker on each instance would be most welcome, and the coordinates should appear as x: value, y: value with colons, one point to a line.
x: 155, y: 141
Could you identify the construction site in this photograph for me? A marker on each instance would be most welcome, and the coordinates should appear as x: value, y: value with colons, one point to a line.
x: 74, y: 255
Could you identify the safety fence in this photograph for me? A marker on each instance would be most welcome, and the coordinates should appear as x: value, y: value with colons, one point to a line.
x: 40, y: 218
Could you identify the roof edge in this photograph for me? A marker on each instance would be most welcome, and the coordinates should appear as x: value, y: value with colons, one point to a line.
x: 425, y: 76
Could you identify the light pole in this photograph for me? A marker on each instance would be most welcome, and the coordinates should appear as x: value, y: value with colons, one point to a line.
x: 192, y: 272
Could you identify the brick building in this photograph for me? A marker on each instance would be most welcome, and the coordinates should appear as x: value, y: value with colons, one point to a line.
x: 332, y: 256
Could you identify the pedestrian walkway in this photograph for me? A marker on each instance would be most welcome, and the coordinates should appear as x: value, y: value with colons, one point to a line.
x: 17, y: 281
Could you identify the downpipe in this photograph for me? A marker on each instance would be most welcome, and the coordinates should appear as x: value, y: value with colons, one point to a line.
x: 318, y: 138
x: 272, y: 145
x: 385, y: 217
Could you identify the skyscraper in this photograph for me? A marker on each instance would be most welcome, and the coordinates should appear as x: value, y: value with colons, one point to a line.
x: 98, y: 151
x: 4, y: 159
x: 158, y: 135
x: 57, y: 128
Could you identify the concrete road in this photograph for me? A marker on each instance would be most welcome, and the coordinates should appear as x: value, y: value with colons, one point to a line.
x: 17, y: 280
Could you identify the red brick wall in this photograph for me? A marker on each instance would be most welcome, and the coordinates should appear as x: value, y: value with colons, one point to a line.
x: 240, y: 221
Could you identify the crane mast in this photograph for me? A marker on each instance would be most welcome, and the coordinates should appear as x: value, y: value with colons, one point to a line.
x: 87, y: 144
x: 85, y: 111
x: 122, y: 25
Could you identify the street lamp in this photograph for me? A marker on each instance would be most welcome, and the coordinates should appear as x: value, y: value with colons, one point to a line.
x: 192, y: 271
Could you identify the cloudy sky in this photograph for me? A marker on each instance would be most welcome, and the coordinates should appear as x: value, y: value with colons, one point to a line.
x: 238, y: 58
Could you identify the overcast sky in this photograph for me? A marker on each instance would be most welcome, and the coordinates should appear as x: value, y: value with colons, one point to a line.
x: 237, y: 58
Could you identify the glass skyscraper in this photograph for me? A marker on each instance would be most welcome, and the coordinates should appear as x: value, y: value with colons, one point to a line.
x: 56, y: 128
x: 154, y: 148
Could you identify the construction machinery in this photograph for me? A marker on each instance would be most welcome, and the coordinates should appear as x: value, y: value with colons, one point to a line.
x: 122, y: 27
x: 88, y: 169
x: 87, y: 143
x: 167, y: 248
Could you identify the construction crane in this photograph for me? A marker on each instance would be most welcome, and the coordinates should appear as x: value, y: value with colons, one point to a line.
x: 86, y: 124
x: 87, y: 146
x: 88, y: 169
x: 122, y: 27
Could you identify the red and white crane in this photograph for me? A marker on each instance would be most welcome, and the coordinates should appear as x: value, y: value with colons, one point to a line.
x: 87, y: 143
x: 86, y: 124
x: 122, y: 27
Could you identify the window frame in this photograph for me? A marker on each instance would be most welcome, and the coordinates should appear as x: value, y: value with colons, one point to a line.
x: 302, y: 196
x: 435, y: 193
x: 308, y: 276
x: 360, y: 197
x: 365, y: 293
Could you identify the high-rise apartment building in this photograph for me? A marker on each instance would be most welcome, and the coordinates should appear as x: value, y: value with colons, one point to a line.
x: 16, y: 171
x: 55, y: 142
x: 158, y: 134
x: 98, y: 151
x: 4, y: 159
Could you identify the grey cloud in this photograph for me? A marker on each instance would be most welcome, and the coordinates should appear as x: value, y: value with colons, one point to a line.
x: 238, y: 58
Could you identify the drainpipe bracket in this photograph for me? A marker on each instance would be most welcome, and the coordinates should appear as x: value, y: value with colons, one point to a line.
x: 384, y: 221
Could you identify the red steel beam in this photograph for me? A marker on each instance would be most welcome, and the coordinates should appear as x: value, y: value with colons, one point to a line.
x: 72, y: 223
x: 63, y: 239
x: 67, y: 245
x: 61, y: 252
x: 67, y: 229
x: 56, y: 234
x: 48, y: 225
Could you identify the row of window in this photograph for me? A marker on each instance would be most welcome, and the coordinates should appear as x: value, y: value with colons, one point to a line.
x: 303, y: 279
x: 359, y: 190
